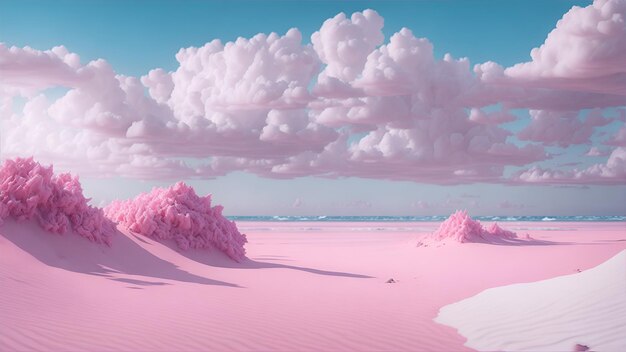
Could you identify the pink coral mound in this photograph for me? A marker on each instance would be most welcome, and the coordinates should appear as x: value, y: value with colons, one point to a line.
x: 460, y: 227
x: 496, y: 231
x: 29, y: 190
x: 179, y: 213
x: 4, y: 212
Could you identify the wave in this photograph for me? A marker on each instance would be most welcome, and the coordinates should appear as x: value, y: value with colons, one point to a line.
x: 430, y: 218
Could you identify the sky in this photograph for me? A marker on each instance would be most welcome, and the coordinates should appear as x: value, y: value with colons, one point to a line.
x: 350, y: 108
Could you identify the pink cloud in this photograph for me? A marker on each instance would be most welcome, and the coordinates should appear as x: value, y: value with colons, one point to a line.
x: 365, y: 113
x: 612, y: 172
x: 105, y: 122
x: 447, y: 138
x: 561, y: 128
x: 348, y: 104
x: 331, y: 87
x: 491, y: 118
x: 398, y: 155
x: 496, y: 87
x: 265, y: 71
x: 595, y: 151
x: 586, y: 51
x: 26, y: 70
x: 92, y: 151
x: 343, y: 44
x: 581, y: 64
x: 407, y: 66
x: 159, y: 84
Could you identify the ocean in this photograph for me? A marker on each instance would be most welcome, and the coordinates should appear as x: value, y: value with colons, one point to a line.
x: 502, y: 218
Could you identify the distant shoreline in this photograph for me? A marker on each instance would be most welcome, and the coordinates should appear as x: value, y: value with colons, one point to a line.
x: 434, y: 218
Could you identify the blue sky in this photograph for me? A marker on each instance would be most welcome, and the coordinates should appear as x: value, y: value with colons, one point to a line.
x: 137, y: 36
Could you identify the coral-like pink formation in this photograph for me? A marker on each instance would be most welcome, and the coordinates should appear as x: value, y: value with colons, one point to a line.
x: 178, y: 212
x: 498, y: 232
x: 4, y: 212
x: 460, y: 227
x: 29, y: 190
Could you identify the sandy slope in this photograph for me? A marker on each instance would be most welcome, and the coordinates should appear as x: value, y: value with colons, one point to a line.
x: 585, y: 309
x: 307, y: 286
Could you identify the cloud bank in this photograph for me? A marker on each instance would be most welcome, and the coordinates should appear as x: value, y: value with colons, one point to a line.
x: 349, y: 103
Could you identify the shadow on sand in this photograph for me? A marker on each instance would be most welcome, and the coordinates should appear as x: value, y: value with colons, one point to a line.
x: 74, y: 253
x: 428, y: 241
x: 531, y: 241
x: 524, y: 241
x: 215, y: 258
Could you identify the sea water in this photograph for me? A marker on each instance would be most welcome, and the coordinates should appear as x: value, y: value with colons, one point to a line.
x: 434, y: 218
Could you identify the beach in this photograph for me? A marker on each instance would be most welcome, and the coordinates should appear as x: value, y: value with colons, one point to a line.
x: 306, y: 286
x: 317, y: 175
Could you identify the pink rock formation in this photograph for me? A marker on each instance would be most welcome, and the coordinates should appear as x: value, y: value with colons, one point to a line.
x: 460, y: 227
x: 29, y: 190
x: 178, y: 213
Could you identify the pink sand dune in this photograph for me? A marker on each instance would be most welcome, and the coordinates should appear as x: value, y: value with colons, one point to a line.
x: 304, y: 287
x: 125, y: 256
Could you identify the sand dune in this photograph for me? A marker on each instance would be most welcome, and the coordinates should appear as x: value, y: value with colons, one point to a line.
x: 584, y: 309
x: 305, y: 287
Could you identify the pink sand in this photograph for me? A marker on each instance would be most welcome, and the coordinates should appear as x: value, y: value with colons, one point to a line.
x: 305, y: 286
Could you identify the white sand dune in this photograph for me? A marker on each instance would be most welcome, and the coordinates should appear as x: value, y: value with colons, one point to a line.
x: 587, y: 309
